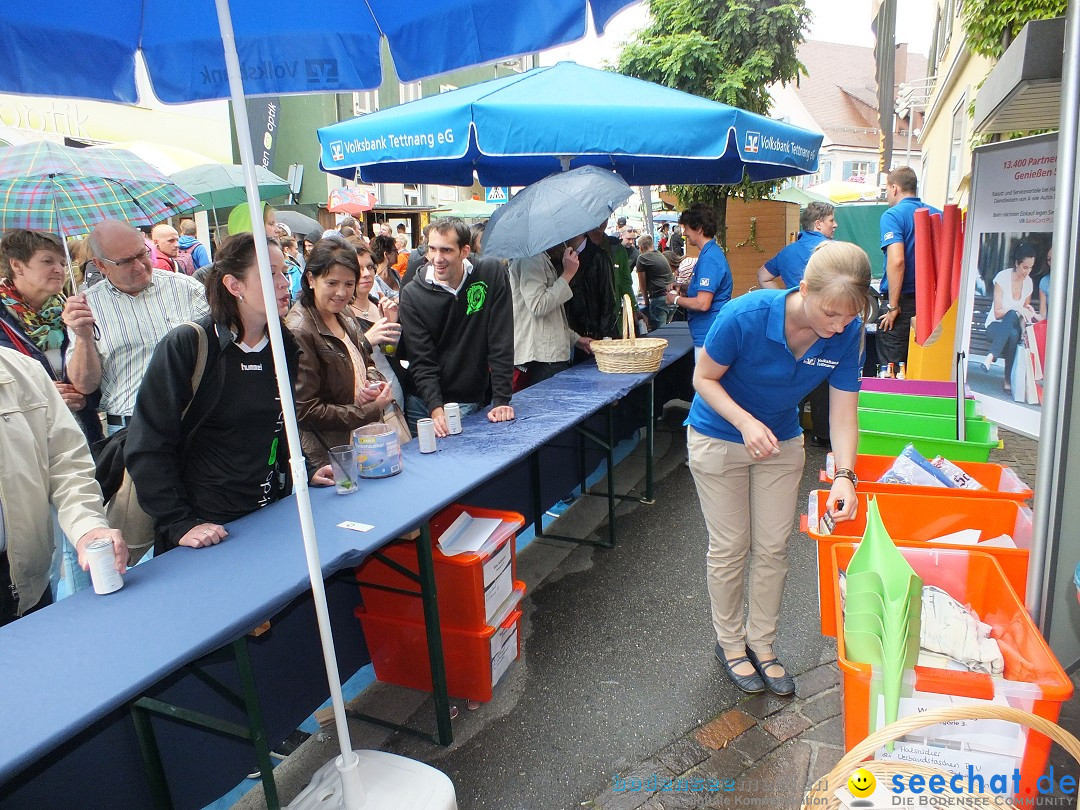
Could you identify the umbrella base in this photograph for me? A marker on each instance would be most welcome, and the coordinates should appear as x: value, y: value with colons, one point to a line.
x: 390, y: 782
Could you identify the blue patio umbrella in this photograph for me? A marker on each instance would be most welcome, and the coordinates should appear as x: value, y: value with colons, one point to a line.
x: 515, y: 130
x: 233, y: 48
x: 290, y: 46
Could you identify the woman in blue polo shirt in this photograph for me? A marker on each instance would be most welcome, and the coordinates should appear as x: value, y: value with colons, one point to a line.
x: 765, y: 352
x: 710, y: 286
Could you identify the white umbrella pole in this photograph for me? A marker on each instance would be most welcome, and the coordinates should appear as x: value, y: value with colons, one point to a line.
x: 348, y: 763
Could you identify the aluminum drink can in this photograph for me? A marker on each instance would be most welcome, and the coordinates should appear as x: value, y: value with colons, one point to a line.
x: 425, y: 432
x: 103, y: 573
x: 452, y: 412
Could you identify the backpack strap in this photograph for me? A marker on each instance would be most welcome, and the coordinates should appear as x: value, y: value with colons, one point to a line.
x: 18, y: 342
x: 200, y: 364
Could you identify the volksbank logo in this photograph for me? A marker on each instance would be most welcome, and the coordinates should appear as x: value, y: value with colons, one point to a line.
x: 317, y: 71
x: 752, y: 143
x: 321, y: 71
x: 337, y: 150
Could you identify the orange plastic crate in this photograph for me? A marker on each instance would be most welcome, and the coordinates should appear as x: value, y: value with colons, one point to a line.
x: 469, y: 587
x: 475, y: 659
x: 1033, y: 678
x: 911, y: 520
x: 870, y: 468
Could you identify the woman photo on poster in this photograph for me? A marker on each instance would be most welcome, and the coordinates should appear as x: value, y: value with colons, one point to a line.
x: 1011, y: 310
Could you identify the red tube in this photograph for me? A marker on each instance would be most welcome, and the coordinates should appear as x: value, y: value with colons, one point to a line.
x: 943, y: 298
x: 958, y: 257
x: 924, y: 276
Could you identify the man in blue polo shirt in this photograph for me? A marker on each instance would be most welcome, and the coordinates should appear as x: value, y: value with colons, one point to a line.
x: 785, y: 270
x: 898, y: 281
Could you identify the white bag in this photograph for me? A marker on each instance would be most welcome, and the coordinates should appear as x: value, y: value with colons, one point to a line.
x: 1019, y: 375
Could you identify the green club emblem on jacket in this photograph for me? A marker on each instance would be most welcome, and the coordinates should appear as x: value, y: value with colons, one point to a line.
x: 475, y: 296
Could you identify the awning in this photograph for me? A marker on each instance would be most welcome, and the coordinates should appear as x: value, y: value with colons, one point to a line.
x: 1023, y: 91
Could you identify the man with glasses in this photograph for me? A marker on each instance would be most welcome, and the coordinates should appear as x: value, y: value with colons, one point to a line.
x: 115, y: 325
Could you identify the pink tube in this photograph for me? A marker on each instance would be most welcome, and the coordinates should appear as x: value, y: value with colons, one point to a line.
x: 924, y: 276
x: 943, y: 299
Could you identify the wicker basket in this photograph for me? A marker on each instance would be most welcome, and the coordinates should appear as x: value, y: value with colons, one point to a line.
x: 631, y: 355
x: 820, y: 796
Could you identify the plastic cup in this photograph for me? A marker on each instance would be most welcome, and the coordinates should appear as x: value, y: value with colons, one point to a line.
x: 343, y: 463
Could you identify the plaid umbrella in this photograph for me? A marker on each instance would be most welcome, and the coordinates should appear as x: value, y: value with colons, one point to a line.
x: 67, y: 191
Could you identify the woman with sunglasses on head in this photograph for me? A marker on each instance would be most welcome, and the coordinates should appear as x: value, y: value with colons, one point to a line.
x: 202, y: 458
x: 765, y: 351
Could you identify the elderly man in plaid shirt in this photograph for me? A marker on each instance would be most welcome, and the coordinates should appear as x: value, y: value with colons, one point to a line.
x: 115, y: 325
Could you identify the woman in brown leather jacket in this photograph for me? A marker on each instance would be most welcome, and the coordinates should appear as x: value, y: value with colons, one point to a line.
x: 334, y: 394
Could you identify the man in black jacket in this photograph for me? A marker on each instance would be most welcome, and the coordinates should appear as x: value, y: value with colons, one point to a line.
x: 457, y: 331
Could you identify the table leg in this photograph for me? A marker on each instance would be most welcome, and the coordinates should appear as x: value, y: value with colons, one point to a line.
x: 255, y: 722
x: 650, y: 437
x: 151, y: 757
x: 537, y: 496
x: 610, y: 452
x: 434, y: 635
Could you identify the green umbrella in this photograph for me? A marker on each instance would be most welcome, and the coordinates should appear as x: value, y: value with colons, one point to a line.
x: 800, y: 196
x: 467, y: 209
x: 221, y: 185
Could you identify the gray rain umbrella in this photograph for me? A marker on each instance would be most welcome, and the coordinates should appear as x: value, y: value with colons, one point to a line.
x: 300, y: 224
x: 554, y: 209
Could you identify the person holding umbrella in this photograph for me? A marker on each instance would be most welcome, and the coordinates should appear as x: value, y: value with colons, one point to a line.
x: 31, y: 315
x: 765, y: 352
x: 543, y: 340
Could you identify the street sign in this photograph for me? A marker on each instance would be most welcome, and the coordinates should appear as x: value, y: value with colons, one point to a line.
x: 497, y: 195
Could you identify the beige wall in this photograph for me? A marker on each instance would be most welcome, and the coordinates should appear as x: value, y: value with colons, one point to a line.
x: 959, y: 74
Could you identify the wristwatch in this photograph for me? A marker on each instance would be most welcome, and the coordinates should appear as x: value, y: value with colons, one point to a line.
x: 849, y: 474
x: 890, y: 307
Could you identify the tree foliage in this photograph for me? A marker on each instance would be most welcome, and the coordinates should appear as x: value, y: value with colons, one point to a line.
x: 991, y: 25
x: 725, y: 50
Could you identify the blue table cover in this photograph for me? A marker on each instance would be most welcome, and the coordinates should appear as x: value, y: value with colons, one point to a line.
x: 71, y: 664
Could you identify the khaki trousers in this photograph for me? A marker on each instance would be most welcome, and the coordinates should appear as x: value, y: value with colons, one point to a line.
x: 749, y: 509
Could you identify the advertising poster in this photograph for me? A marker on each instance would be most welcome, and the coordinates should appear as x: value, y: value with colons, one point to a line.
x: 1007, y: 276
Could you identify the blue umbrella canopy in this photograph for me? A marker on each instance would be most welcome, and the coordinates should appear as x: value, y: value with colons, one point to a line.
x: 291, y: 46
x: 518, y: 129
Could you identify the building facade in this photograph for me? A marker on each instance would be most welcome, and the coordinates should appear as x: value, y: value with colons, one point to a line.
x: 946, y: 133
x: 838, y: 97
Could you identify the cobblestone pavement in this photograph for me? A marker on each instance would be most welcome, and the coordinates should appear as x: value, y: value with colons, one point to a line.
x: 767, y: 751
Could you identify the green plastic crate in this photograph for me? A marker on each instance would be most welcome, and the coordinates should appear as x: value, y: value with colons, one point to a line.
x: 913, y: 403
x: 925, y: 425
x: 892, y: 444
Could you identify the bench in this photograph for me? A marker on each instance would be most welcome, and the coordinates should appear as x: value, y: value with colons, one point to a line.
x: 980, y: 340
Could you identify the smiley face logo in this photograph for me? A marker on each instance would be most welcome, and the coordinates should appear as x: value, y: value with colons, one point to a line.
x: 861, y: 783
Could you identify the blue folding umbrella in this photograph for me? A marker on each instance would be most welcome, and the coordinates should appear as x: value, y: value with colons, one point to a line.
x: 233, y: 48
x: 515, y: 130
